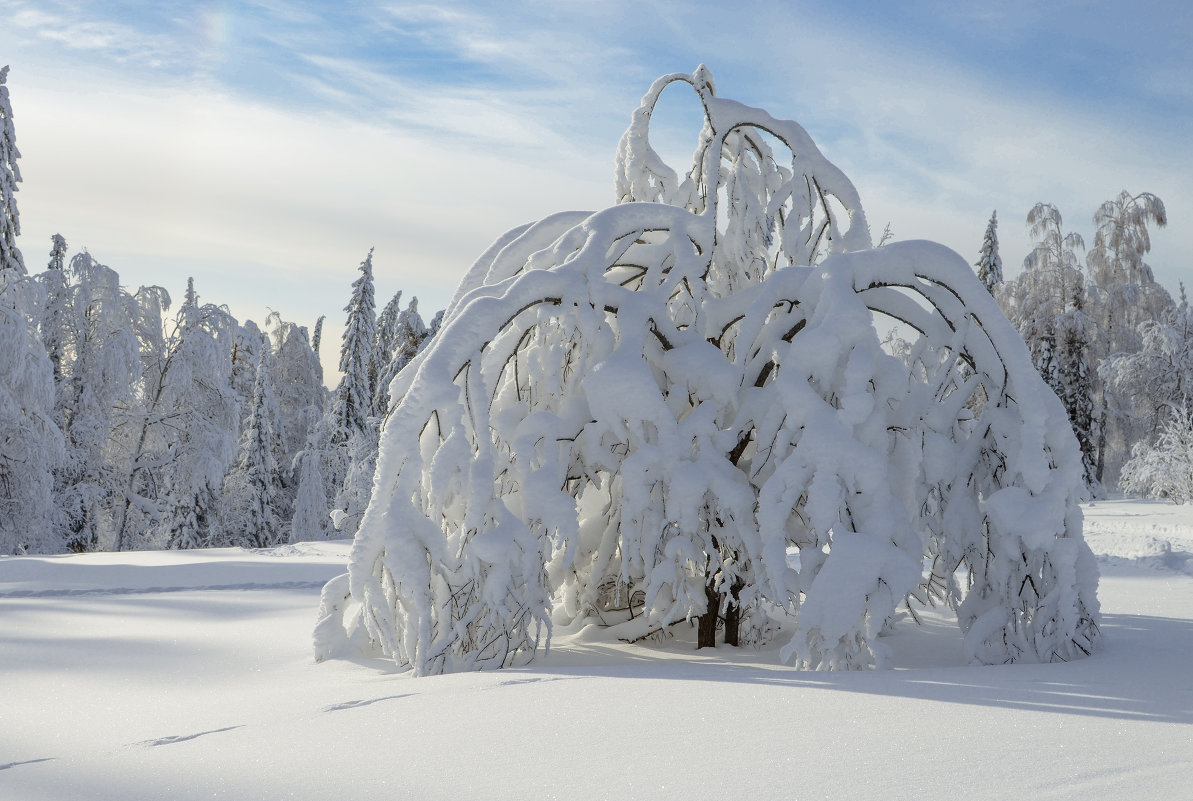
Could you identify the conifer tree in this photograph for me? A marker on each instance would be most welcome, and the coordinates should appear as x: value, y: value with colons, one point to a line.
x: 30, y: 439
x: 317, y: 335
x: 252, y: 489
x: 10, y: 176
x: 989, y: 262
x: 54, y: 321
x: 1074, y: 379
x: 353, y: 396
x: 406, y: 337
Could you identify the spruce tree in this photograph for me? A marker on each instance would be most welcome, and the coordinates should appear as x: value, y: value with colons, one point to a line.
x: 55, y: 319
x: 1074, y: 380
x: 10, y: 176
x: 353, y: 397
x: 989, y: 263
x: 252, y: 488
x: 407, y: 336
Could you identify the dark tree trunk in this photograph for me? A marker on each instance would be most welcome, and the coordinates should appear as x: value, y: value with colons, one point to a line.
x: 706, y: 631
x: 733, y: 613
x: 1101, y: 458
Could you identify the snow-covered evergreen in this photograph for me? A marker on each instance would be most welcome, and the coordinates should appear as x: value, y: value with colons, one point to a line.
x: 405, y: 336
x: 636, y: 417
x: 10, y: 176
x: 989, y: 262
x: 354, y: 394
x: 253, y: 491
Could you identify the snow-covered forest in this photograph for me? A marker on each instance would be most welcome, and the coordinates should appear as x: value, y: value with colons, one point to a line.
x: 131, y: 421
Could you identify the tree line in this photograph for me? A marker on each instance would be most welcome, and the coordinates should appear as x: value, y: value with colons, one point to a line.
x: 1108, y: 339
x: 127, y: 425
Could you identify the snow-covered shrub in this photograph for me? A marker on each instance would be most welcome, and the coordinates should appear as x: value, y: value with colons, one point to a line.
x: 633, y: 416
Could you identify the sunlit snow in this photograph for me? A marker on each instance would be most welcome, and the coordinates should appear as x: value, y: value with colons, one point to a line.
x: 189, y: 675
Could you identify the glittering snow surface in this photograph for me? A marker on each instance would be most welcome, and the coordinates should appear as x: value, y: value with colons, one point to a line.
x: 188, y: 675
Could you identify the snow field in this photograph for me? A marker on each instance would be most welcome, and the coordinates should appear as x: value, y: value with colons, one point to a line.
x: 189, y: 675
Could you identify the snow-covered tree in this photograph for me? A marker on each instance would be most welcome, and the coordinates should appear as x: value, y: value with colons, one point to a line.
x: 10, y: 176
x: 405, y: 337
x: 55, y: 316
x: 989, y: 262
x: 1164, y: 468
x: 185, y: 435
x: 310, y: 520
x: 1158, y: 378
x: 253, y: 491
x: 30, y: 442
x: 635, y: 417
x: 317, y: 336
x: 356, y: 488
x: 89, y: 331
x: 1036, y: 298
x: 1045, y: 303
x: 348, y: 463
x: 198, y: 407
x: 297, y: 379
x: 354, y: 394
x: 1075, y: 377
x: 1124, y: 296
x: 248, y: 343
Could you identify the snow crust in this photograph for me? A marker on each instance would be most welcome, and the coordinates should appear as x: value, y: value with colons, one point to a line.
x: 205, y: 688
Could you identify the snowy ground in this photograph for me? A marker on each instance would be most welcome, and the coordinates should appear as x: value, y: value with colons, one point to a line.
x: 189, y: 675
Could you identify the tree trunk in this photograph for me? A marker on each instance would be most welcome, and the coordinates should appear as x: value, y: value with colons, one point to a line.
x: 733, y: 613
x: 1101, y: 458
x: 706, y: 632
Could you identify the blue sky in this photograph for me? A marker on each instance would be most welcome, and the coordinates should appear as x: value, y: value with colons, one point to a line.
x: 264, y: 147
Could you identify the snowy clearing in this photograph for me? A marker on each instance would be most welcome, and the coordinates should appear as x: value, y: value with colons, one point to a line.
x: 187, y: 675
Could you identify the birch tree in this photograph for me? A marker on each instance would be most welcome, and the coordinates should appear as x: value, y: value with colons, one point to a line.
x: 631, y: 417
x: 1124, y: 296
